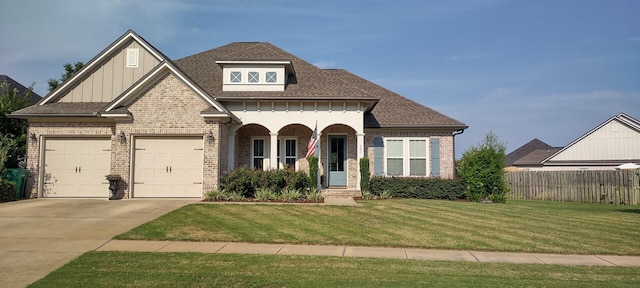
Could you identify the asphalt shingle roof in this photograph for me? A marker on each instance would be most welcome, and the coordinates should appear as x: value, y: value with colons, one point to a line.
x: 13, y: 84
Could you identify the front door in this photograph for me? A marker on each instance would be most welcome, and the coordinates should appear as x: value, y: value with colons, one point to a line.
x: 337, y: 160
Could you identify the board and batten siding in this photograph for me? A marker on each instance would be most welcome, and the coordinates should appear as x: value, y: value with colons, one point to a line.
x: 613, y: 141
x: 110, y: 79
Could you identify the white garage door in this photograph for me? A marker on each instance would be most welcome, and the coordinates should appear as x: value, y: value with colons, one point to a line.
x: 168, y: 167
x: 76, y: 167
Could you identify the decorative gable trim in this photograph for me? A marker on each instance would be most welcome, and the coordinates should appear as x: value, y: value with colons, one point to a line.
x: 105, y: 54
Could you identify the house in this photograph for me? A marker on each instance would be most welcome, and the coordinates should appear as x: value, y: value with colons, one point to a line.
x: 173, y: 128
x: 13, y: 84
x: 612, y: 143
x: 529, y: 155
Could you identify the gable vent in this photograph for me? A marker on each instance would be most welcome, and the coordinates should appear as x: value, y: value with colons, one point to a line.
x: 132, y: 57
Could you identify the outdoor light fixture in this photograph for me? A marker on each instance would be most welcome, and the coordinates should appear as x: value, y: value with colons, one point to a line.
x: 210, y: 137
x: 33, y: 137
x: 121, y: 137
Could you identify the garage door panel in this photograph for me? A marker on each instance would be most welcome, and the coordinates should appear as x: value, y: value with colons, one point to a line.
x: 168, y: 167
x: 76, y: 167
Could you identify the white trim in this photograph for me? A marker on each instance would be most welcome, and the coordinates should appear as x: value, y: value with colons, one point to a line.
x: 114, y: 115
x: 282, y: 159
x: 253, y: 62
x: 89, y: 67
x: 265, y: 154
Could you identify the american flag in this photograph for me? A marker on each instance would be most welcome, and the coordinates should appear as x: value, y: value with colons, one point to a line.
x: 311, y: 148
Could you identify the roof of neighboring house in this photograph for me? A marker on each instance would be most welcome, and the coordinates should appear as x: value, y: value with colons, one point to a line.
x: 21, y: 88
x: 525, y: 150
x: 622, y: 118
x: 536, y: 157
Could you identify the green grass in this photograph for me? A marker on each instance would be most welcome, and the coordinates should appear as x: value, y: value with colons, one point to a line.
x: 138, y: 269
x: 519, y: 226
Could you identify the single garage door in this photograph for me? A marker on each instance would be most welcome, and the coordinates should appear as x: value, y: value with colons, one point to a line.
x: 76, y: 167
x: 168, y: 167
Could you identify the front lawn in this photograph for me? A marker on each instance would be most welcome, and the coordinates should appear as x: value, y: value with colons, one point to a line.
x: 138, y: 269
x: 518, y: 226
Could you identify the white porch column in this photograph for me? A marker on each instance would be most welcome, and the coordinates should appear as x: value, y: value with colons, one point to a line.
x: 320, y: 166
x: 360, y: 155
x: 273, y: 151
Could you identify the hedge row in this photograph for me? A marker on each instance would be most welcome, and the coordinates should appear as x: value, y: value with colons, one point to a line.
x: 246, y: 181
x: 421, y: 188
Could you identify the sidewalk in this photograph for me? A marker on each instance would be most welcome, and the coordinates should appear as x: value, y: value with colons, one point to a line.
x: 371, y: 252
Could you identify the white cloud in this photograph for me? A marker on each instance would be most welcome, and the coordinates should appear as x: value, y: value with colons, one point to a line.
x: 324, y: 64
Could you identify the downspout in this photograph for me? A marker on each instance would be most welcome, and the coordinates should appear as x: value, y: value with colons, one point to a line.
x: 458, y: 132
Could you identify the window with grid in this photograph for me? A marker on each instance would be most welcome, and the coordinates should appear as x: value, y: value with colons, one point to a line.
x: 236, y: 77
x: 406, y: 156
x: 257, y: 157
x: 271, y: 77
x: 254, y: 77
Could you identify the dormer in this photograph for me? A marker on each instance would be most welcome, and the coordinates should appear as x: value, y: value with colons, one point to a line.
x: 255, y: 75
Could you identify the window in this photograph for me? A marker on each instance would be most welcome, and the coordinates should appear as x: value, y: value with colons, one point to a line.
x: 236, y: 77
x: 406, y: 156
x: 290, y: 155
x: 271, y: 77
x: 257, y: 156
x: 254, y: 77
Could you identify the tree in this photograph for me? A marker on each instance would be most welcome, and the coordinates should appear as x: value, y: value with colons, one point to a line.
x: 13, y: 132
x: 69, y: 71
x: 481, y: 168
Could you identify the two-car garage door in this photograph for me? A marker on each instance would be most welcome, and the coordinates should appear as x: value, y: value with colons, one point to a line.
x: 163, y: 167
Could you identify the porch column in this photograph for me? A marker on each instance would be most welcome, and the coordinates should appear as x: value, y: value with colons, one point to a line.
x: 231, y: 148
x: 320, y: 166
x: 360, y: 155
x: 273, y: 154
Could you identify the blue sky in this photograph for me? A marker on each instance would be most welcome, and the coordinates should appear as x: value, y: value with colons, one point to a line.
x: 542, y: 69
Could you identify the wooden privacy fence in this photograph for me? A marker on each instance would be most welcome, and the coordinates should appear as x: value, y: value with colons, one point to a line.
x: 589, y: 186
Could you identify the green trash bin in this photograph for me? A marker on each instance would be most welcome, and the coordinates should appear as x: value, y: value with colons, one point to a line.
x: 19, y: 178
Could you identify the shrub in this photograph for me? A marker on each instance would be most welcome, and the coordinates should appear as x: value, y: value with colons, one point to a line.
x: 289, y: 194
x: 246, y: 181
x: 234, y: 196
x: 313, y: 172
x: 481, y: 168
x: 364, y: 174
x: 421, y: 188
x: 7, y: 190
x: 215, y: 195
x: 265, y: 194
x: 314, y: 195
x: 366, y: 195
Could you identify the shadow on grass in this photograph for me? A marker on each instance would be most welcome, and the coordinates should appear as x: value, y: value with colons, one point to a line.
x: 630, y: 210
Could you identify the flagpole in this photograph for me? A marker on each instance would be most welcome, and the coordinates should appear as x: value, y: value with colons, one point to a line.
x: 319, y: 153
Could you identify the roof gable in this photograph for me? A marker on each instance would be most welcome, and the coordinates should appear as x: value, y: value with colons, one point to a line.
x: 165, y: 68
x: 72, y: 91
x: 524, y: 150
x: 617, y: 138
x: 13, y: 84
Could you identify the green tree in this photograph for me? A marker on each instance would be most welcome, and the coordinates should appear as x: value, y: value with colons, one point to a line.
x: 13, y: 131
x: 69, y: 71
x: 481, y: 168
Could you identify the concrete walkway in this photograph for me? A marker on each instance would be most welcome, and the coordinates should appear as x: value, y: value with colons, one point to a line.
x: 370, y: 252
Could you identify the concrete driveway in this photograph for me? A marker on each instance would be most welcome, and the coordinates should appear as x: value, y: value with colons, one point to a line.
x: 38, y: 236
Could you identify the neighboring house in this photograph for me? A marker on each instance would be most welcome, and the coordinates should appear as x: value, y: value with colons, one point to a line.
x: 616, y: 141
x: 13, y: 84
x: 173, y: 128
x: 612, y: 143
